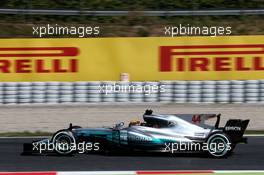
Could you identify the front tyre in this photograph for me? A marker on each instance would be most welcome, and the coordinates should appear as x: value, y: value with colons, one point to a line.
x: 219, y: 145
x: 64, y: 142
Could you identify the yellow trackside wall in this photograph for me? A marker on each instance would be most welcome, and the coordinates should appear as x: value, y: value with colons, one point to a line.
x: 107, y: 58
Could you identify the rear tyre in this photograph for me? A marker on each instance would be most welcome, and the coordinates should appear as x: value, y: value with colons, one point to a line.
x: 219, y: 145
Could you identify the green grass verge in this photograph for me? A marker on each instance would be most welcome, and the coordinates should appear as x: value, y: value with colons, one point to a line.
x: 246, y: 173
x: 20, y: 26
x: 254, y: 132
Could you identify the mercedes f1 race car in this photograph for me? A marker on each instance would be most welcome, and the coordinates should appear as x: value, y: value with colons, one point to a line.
x: 171, y: 133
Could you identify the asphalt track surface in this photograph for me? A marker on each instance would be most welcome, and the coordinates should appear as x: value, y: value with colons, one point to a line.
x: 246, y: 157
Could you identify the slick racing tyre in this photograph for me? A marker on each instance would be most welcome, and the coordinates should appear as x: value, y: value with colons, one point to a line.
x: 219, y: 145
x: 63, y: 142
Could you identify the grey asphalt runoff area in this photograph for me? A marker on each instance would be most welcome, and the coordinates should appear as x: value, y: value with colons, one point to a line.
x: 18, y: 118
x: 246, y: 157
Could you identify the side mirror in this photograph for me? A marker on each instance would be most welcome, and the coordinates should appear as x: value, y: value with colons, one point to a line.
x: 217, y: 121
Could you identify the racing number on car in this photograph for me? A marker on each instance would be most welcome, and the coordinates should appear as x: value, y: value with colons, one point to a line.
x: 196, y: 119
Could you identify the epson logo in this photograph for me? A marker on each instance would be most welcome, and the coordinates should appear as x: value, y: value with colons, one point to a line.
x: 233, y: 128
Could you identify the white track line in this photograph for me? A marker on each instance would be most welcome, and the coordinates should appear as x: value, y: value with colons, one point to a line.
x: 96, y: 172
x: 135, y: 172
x: 149, y: 172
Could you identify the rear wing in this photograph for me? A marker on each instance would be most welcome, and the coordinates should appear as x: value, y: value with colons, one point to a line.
x: 235, y: 128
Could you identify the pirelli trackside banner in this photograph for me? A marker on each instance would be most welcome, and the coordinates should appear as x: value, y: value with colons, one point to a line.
x: 182, y: 58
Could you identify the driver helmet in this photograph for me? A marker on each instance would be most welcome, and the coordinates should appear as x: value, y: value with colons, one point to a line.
x: 134, y: 123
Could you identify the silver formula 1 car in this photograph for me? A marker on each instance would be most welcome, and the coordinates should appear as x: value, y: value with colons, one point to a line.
x: 171, y: 133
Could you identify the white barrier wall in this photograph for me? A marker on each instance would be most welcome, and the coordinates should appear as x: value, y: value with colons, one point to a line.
x: 235, y: 91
